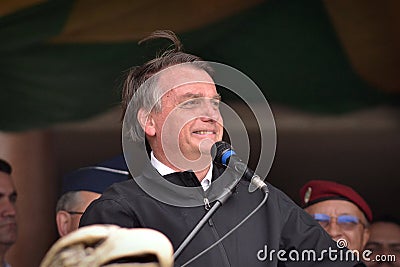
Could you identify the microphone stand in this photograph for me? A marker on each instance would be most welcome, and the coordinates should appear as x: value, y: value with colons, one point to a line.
x: 219, y: 202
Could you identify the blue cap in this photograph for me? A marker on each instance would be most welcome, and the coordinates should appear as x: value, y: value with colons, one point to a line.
x: 98, y: 177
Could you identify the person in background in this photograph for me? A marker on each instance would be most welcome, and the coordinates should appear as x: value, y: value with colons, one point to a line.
x: 340, y: 210
x: 8, y: 220
x: 83, y: 186
x: 384, y: 242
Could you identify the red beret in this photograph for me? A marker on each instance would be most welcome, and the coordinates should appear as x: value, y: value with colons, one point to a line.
x: 319, y: 190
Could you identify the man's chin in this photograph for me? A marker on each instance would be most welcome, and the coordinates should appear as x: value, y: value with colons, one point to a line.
x: 9, y: 239
x: 205, y: 146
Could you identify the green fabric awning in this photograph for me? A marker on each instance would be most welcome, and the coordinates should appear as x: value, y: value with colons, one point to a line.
x: 58, y: 64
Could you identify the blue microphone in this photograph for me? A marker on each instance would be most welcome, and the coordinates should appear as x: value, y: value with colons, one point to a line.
x: 225, y: 155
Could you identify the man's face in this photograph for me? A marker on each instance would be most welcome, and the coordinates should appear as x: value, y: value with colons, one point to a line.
x: 8, y: 221
x: 189, y: 121
x: 356, y: 234
x: 85, y: 198
x: 384, y: 240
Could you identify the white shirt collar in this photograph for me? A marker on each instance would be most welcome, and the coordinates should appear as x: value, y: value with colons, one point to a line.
x: 164, y: 170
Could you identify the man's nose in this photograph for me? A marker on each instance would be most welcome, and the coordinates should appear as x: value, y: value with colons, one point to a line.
x: 8, y: 208
x: 210, y: 111
x: 334, y: 229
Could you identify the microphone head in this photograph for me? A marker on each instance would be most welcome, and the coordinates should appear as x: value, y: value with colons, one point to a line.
x: 218, y: 150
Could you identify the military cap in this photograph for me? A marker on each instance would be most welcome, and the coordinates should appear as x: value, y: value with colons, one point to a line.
x: 321, y: 190
x: 98, y: 177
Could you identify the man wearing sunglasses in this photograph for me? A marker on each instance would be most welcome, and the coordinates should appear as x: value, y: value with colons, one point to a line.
x: 340, y: 210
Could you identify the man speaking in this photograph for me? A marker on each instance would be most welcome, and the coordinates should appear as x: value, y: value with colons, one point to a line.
x: 174, y: 105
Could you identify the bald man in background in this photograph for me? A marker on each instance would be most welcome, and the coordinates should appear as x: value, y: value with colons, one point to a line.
x: 83, y: 186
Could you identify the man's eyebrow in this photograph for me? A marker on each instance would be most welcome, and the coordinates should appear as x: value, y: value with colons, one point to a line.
x: 375, y: 243
x: 192, y: 95
x: 218, y: 97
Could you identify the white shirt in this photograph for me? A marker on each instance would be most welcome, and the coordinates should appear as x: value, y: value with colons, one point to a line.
x: 164, y: 170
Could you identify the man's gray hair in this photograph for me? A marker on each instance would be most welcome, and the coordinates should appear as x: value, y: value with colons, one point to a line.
x: 68, y: 201
x: 143, y: 91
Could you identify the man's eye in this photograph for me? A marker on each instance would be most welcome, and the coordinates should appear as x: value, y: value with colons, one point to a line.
x: 190, y: 103
x: 13, y: 198
x: 374, y: 247
x: 347, y: 224
x: 215, y: 102
x: 395, y: 248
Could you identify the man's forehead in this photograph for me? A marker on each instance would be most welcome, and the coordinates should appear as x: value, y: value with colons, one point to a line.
x: 386, y: 231
x: 187, y: 92
x: 335, y: 207
x: 180, y: 75
x: 89, y: 194
x: 6, y: 180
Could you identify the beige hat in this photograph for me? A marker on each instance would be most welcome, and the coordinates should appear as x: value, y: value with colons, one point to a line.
x: 111, y: 246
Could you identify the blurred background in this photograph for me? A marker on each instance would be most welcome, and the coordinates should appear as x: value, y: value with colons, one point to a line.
x: 329, y: 69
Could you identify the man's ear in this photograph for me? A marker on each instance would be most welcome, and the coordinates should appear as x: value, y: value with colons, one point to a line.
x: 146, y: 120
x: 63, y: 220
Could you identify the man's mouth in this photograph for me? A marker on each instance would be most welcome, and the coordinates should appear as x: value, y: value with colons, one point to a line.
x: 204, y: 132
x: 8, y: 224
